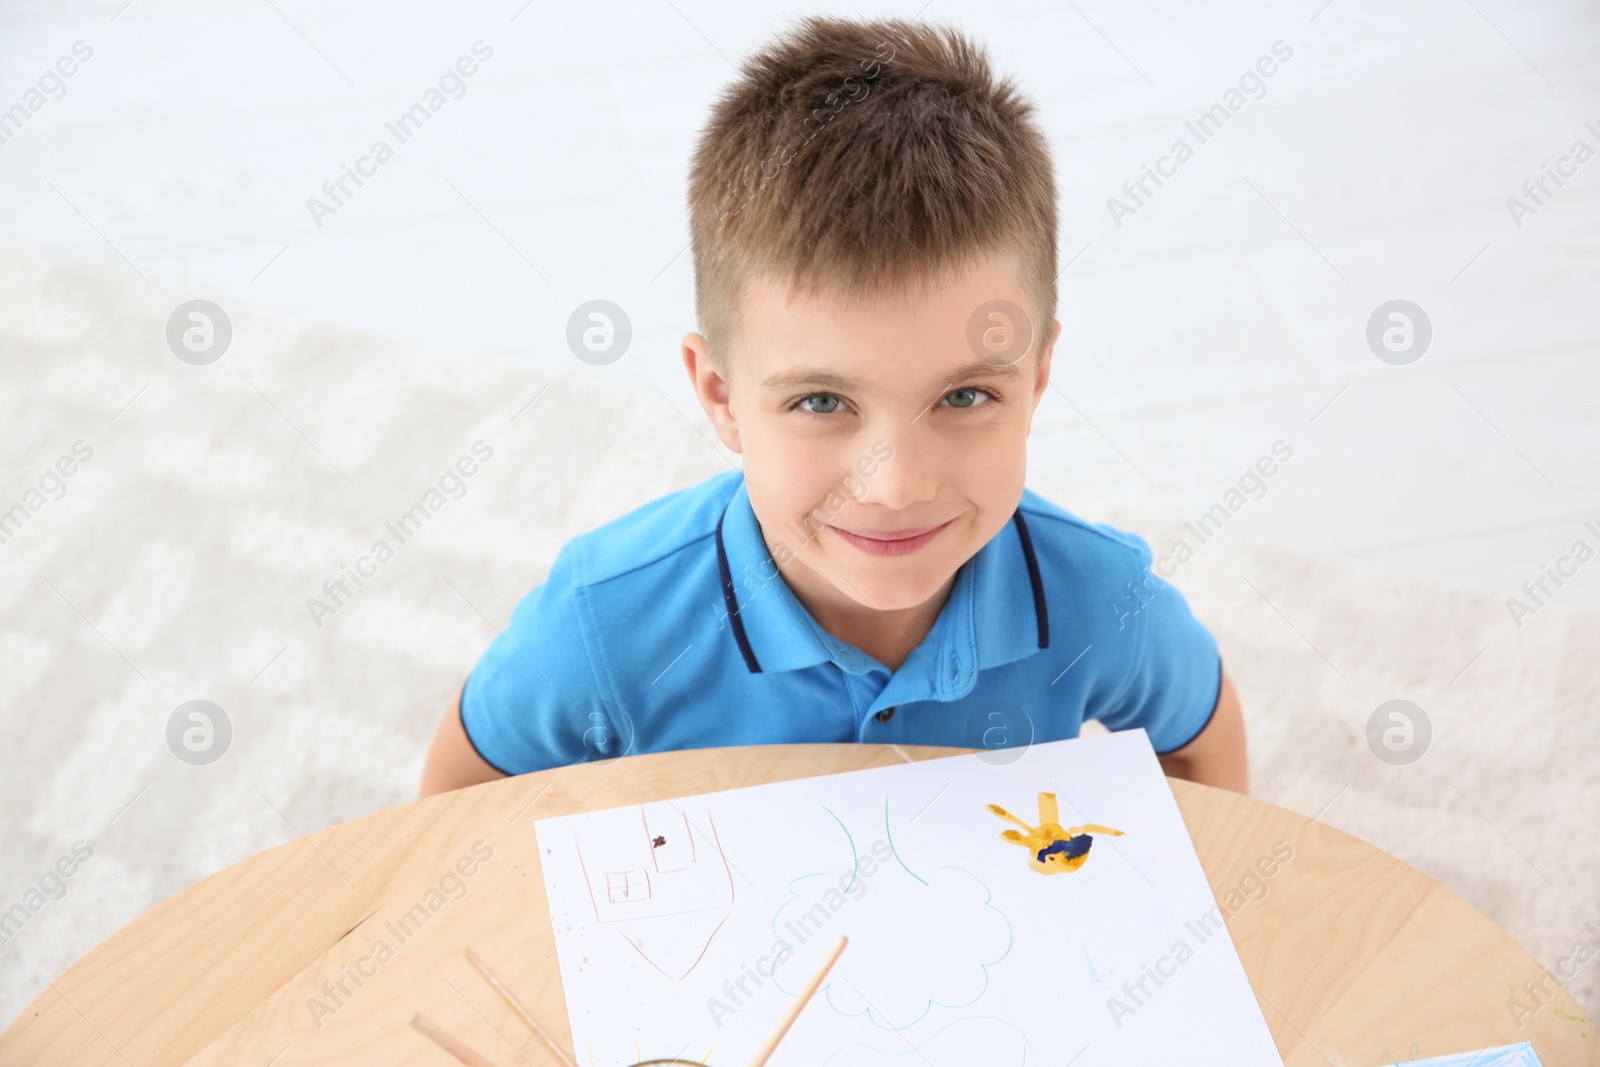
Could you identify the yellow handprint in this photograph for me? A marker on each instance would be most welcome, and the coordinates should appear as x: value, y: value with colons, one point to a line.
x: 1052, y: 849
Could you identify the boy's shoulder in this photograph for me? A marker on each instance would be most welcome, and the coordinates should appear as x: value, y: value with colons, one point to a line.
x: 680, y: 521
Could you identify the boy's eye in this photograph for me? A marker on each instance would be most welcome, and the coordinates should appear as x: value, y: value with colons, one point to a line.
x: 824, y: 403
x: 970, y: 397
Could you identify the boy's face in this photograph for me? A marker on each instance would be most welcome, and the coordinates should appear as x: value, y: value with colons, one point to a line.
x: 863, y: 424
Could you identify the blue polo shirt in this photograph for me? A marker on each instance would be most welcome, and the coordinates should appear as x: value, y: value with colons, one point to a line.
x: 671, y: 627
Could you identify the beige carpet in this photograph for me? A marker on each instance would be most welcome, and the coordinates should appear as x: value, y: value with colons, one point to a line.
x: 176, y: 562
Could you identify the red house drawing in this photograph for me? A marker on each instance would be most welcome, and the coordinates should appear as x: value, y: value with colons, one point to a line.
x: 656, y: 873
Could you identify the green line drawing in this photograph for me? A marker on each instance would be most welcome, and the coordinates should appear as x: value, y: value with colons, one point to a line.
x: 827, y: 990
x: 772, y: 971
x: 854, y: 859
x: 988, y: 902
x: 890, y: 834
x: 1011, y: 940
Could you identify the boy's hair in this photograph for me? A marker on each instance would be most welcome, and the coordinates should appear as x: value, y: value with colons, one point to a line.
x: 860, y: 159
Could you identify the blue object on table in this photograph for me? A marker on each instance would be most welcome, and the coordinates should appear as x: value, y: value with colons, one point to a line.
x: 1504, y: 1056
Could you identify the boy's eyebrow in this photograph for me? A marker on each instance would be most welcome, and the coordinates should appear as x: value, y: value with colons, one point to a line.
x: 816, y: 377
x: 828, y: 380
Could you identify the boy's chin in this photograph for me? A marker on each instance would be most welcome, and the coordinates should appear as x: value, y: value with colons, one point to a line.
x: 880, y: 593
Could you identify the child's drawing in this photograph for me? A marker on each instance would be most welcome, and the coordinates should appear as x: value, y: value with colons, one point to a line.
x: 883, y: 900
x: 659, y: 879
x: 1051, y: 849
x: 959, y: 953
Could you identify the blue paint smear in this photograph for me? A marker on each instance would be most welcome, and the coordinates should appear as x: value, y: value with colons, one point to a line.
x: 1072, y: 848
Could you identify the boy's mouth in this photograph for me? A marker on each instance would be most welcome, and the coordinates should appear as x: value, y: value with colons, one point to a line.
x: 891, y: 542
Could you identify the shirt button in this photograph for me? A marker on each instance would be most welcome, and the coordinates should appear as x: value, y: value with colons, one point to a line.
x: 885, y: 715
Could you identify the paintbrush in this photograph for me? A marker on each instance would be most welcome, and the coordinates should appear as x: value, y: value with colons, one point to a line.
x: 799, y: 1004
x: 517, y: 1006
x: 448, y: 1042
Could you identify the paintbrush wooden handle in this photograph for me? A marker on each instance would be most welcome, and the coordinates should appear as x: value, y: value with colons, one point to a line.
x: 517, y: 1006
x: 799, y: 1004
x: 446, y: 1041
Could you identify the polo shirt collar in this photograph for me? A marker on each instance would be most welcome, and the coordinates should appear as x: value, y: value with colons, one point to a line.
x: 984, y: 622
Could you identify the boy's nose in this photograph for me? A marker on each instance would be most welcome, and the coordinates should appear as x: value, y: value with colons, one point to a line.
x: 904, y: 480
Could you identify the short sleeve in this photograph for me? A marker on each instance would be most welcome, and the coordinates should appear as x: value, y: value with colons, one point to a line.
x: 532, y: 700
x: 1175, y: 669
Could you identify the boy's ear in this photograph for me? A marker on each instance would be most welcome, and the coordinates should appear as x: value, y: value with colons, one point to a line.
x: 711, y: 387
x: 1046, y: 352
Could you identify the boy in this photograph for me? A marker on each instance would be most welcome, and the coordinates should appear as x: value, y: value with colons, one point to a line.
x: 874, y: 238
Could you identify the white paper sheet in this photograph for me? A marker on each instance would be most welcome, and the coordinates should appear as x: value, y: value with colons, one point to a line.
x: 684, y: 928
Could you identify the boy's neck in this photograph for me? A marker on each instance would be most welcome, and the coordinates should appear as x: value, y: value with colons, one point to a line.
x: 889, y: 636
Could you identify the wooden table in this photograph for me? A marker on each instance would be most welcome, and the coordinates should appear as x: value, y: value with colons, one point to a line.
x: 1356, y: 959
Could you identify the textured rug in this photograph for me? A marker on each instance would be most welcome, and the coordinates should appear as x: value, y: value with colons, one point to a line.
x: 176, y: 518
